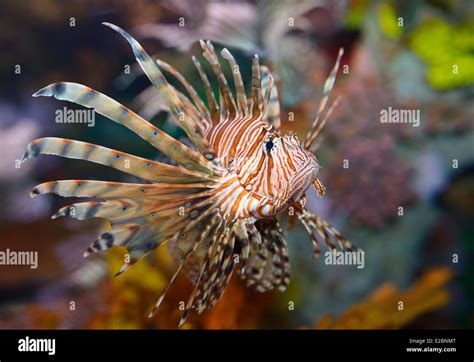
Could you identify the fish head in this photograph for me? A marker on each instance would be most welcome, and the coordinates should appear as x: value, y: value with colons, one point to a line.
x: 280, y: 170
x: 296, y: 167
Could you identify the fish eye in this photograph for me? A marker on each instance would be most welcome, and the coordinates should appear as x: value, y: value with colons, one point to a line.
x: 269, y: 145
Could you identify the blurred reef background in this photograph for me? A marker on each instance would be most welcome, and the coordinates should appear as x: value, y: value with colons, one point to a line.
x: 424, y: 257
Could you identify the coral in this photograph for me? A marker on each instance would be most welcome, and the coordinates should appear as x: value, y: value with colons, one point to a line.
x: 448, y: 52
x: 373, y: 185
x: 443, y: 117
x: 388, y: 21
x: 130, y: 297
x: 382, y: 308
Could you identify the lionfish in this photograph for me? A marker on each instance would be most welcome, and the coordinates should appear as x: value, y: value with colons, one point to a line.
x: 219, y: 205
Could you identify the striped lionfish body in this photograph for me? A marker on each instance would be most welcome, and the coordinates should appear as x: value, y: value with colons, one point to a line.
x: 222, y: 198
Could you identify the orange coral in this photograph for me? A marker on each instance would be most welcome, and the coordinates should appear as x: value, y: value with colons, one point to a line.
x: 131, y: 296
x: 387, y: 307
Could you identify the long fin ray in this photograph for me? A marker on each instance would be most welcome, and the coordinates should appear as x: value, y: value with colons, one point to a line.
x: 257, y: 96
x: 239, y: 83
x: 272, y: 109
x: 189, y: 88
x: 211, y: 98
x: 108, y: 107
x: 328, y: 85
x: 268, y: 266
x: 156, y: 77
x: 228, y: 104
x: 315, y: 225
x: 113, y: 190
x: 141, y: 167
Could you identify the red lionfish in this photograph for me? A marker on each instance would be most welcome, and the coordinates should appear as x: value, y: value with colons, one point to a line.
x: 223, y: 197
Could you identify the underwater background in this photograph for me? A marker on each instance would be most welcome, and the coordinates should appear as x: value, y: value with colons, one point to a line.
x: 406, y: 199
